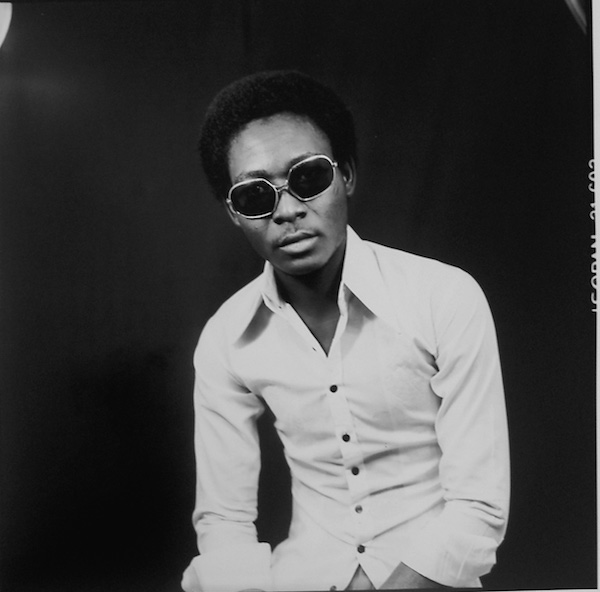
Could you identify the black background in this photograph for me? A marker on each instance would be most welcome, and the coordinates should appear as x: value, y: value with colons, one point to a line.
x: 474, y: 122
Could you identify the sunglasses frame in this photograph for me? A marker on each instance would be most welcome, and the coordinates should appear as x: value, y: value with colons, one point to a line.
x: 281, y: 188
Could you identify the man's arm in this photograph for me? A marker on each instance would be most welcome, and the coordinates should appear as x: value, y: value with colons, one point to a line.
x: 459, y: 545
x: 227, y: 465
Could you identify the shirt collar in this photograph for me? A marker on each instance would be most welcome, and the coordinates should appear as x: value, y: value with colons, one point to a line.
x: 361, y: 275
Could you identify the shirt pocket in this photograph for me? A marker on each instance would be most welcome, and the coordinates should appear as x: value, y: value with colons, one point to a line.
x: 406, y: 369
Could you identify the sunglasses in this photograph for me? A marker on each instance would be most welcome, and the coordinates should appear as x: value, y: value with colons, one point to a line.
x: 307, y: 179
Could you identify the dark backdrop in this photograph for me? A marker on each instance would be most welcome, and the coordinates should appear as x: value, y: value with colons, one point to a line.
x: 475, y: 136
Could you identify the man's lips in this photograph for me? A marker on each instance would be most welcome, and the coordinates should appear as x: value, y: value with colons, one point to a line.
x: 294, y: 237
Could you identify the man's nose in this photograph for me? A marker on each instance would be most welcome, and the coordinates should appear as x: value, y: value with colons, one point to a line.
x: 289, y: 208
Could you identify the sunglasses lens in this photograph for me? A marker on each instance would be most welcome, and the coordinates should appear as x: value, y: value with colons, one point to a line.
x: 255, y: 198
x: 310, y: 178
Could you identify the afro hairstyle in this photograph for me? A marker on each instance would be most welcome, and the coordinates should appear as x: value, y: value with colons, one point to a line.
x: 262, y: 95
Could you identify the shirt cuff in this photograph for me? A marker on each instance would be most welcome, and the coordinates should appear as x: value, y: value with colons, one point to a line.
x: 456, y: 560
x: 234, y: 568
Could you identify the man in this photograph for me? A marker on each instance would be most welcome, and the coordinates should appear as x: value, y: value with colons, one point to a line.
x: 380, y: 367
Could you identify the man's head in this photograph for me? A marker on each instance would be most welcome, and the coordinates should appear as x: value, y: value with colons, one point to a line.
x: 260, y: 96
x: 280, y: 148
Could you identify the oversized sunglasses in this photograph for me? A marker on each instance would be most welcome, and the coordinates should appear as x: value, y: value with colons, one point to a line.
x: 307, y: 179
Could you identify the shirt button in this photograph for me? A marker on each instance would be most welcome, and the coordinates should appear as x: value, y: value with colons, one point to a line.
x: 346, y: 438
x: 358, y: 509
x: 333, y: 388
x: 355, y: 470
x: 360, y: 548
x: 333, y: 588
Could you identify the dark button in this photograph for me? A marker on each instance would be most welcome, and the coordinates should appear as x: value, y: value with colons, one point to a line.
x: 360, y: 548
x: 346, y: 438
x: 355, y: 470
x: 358, y: 509
x: 333, y: 588
x: 333, y: 388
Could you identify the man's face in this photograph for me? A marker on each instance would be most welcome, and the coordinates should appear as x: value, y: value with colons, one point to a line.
x: 299, y: 237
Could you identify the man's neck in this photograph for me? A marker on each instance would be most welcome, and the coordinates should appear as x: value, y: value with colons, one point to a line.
x: 315, y: 293
x: 314, y: 298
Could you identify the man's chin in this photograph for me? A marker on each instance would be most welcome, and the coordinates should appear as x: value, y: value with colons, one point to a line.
x: 303, y: 266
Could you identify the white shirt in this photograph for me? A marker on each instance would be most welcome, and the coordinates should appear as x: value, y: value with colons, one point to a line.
x: 396, y: 440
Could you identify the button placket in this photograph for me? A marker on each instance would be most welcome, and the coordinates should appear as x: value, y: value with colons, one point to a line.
x: 350, y: 449
x: 349, y: 445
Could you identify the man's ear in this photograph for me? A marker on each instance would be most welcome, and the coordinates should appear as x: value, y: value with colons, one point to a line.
x: 348, y: 170
x: 232, y: 216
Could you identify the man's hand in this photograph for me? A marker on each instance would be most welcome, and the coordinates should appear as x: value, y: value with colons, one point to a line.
x: 405, y: 577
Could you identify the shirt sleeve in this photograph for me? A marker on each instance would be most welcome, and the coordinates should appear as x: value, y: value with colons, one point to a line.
x: 227, y: 468
x: 459, y: 545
